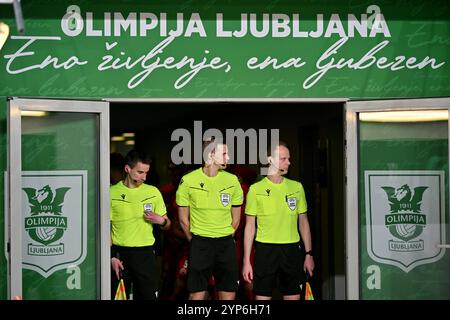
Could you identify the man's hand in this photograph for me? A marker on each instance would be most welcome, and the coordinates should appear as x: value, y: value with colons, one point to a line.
x: 153, y: 217
x: 247, y: 272
x: 183, y: 270
x: 117, y: 266
x: 308, y: 265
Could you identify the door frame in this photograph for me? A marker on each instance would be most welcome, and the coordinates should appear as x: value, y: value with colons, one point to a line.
x: 352, y: 109
x: 14, y: 176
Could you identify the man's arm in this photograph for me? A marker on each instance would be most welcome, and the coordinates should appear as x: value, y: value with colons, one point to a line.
x: 236, y: 204
x: 249, y: 236
x: 176, y: 229
x: 162, y: 221
x: 235, y: 216
x: 165, y: 225
x: 305, y: 232
x: 183, y: 216
x: 116, y: 264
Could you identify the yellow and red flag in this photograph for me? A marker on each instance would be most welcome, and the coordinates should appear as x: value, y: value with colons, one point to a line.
x: 308, y: 292
x: 121, y: 294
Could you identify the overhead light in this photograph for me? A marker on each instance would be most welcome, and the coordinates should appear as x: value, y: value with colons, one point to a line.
x: 4, y: 33
x: 128, y: 134
x: 129, y: 142
x: 29, y: 113
x: 117, y: 138
x: 404, y: 116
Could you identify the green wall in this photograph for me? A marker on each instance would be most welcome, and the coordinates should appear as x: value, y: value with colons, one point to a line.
x: 418, y: 31
x: 392, y: 147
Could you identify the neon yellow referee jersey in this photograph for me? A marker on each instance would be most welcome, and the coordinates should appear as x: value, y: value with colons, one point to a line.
x: 209, y: 200
x: 128, y: 227
x: 276, y: 207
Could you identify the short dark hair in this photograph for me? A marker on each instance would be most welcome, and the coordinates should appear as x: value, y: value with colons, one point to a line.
x: 134, y: 156
x: 271, y: 150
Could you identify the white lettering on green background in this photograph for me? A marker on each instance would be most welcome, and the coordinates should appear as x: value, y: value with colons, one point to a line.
x: 262, y: 25
x: 74, y: 279
x: 374, y: 279
x: 274, y: 25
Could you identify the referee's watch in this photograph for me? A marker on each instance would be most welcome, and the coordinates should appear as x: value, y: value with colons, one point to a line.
x: 310, y: 252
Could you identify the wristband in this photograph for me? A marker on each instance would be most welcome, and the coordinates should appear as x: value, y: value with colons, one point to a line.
x: 310, y: 252
x: 162, y: 225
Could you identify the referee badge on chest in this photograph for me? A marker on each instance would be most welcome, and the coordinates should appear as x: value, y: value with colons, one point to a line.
x: 148, y: 207
x: 225, y: 199
x: 292, y: 203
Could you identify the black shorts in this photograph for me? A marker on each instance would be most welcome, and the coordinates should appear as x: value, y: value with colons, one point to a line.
x: 282, y: 262
x: 139, y: 270
x: 212, y: 256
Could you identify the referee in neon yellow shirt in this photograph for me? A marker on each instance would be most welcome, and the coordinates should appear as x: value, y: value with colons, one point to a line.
x: 277, y: 206
x: 209, y: 201
x: 135, y: 208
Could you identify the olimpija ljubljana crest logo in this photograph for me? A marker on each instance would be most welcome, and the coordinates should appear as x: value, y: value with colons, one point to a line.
x: 405, y: 217
x: 46, y: 224
x: 54, y: 205
x: 405, y: 220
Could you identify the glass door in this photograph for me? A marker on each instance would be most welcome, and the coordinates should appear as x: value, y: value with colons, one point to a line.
x: 57, y: 182
x: 397, y: 199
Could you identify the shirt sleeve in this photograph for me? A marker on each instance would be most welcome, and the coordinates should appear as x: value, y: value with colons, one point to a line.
x: 238, y: 194
x: 302, y: 207
x: 111, y: 194
x: 250, y: 204
x: 160, y: 206
x: 182, y: 195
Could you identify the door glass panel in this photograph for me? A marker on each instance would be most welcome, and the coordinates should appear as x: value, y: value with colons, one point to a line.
x: 60, y: 205
x: 403, y: 199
